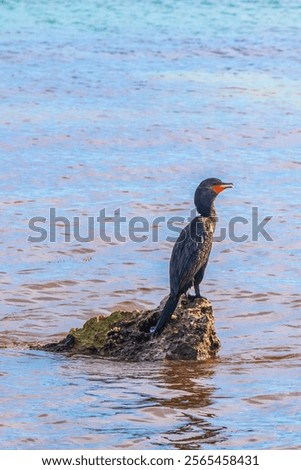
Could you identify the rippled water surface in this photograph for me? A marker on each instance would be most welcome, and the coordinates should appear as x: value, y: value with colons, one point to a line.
x: 128, y: 105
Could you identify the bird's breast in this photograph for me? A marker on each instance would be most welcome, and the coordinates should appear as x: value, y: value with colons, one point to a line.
x: 208, y: 225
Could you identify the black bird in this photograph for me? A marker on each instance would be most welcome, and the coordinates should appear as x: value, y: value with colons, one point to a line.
x: 191, y: 251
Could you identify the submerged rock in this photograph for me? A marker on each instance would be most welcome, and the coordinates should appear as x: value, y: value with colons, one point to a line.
x: 189, y: 335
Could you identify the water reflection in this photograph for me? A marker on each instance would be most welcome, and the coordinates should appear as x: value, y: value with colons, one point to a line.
x: 189, y: 391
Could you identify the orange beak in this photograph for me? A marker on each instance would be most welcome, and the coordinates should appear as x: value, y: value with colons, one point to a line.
x: 218, y: 188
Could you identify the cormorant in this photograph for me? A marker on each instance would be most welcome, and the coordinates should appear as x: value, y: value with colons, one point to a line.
x: 191, y: 251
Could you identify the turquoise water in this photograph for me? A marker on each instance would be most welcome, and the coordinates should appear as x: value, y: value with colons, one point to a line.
x: 129, y: 105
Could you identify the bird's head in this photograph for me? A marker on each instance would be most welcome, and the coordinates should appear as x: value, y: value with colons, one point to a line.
x: 206, y: 193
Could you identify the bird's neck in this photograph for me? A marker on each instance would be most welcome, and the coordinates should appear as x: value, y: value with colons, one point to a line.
x: 210, y: 214
x: 206, y: 210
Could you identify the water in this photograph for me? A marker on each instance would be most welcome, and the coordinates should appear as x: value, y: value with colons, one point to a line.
x: 128, y: 105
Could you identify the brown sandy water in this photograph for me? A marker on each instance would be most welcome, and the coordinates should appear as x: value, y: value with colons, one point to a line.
x: 91, y: 119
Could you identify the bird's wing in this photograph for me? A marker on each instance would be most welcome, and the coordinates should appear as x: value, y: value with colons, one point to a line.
x: 190, y: 253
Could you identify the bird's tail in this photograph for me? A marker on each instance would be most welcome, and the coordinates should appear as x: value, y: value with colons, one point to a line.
x: 166, y: 313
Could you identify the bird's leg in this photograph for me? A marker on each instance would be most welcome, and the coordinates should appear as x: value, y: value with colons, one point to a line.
x: 197, y: 291
x: 197, y: 281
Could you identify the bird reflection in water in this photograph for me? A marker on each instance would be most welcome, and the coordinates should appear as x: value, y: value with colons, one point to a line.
x: 190, y: 396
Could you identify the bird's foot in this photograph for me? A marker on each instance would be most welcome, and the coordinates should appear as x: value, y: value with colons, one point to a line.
x: 192, y: 298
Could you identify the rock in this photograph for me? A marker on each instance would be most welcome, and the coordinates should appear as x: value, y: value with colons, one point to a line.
x: 189, y: 335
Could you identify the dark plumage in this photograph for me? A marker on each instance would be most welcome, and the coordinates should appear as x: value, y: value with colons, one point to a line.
x: 191, y: 251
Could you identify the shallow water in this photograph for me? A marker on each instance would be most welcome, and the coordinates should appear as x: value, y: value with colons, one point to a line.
x: 124, y: 105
